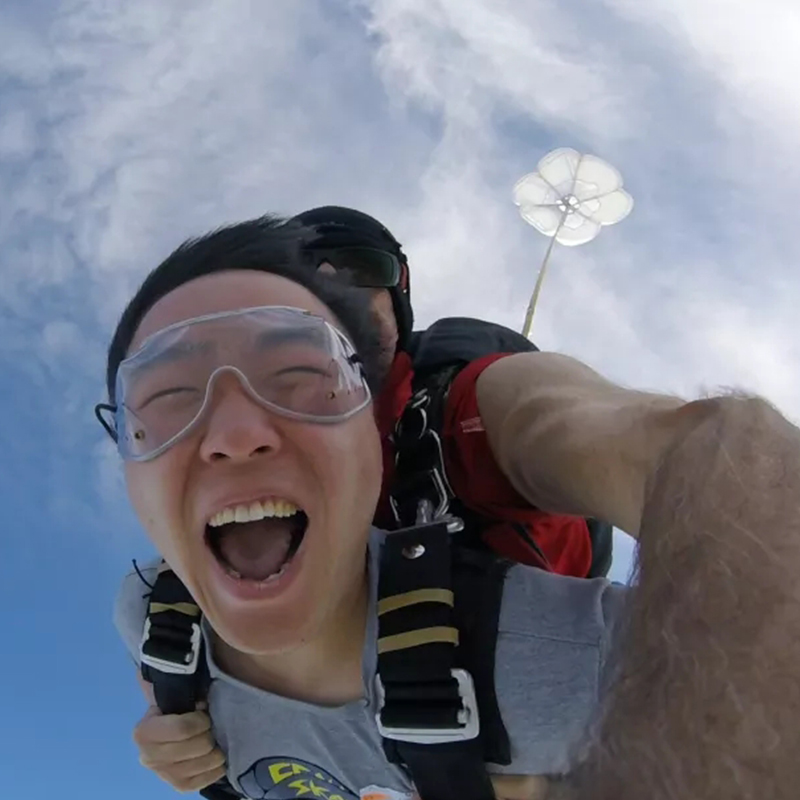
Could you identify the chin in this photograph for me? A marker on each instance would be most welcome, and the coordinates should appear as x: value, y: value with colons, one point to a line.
x: 263, y: 635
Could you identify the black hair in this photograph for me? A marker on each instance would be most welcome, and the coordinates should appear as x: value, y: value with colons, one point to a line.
x: 266, y: 244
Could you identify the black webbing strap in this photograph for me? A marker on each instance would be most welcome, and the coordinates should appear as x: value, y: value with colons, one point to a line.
x: 450, y: 771
x: 478, y: 580
x: 173, y: 657
x: 431, y: 706
x: 222, y: 790
x: 172, y: 646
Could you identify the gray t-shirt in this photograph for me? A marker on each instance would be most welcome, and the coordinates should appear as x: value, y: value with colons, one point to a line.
x: 553, y: 636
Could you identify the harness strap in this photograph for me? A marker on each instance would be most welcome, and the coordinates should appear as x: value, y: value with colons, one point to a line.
x: 437, y: 624
x: 173, y: 657
x: 172, y: 650
x: 221, y: 790
x: 419, y: 467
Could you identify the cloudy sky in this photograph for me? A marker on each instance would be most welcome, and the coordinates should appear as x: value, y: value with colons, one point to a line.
x: 126, y: 127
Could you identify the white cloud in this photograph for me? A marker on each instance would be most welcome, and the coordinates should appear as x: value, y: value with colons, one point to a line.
x: 472, y: 56
x: 751, y: 48
x: 24, y: 55
x: 17, y: 136
x: 709, y: 229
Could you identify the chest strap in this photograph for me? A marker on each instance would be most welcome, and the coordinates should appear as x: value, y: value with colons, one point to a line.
x: 438, y: 612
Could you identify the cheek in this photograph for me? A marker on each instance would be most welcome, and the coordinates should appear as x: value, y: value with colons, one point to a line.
x: 149, y: 491
x: 137, y: 484
x: 384, y: 311
x: 354, y: 463
x: 368, y: 465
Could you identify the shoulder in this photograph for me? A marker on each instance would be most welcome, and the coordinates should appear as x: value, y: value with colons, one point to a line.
x: 542, y: 604
x: 463, y: 339
x: 130, y: 606
x: 462, y: 410
x: 554, y: 636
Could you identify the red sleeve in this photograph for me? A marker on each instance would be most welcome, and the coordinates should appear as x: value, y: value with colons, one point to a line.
x: 477, y: 479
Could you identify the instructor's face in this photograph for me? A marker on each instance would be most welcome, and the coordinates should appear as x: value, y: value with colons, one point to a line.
x: 383, y: 314
x: 316, y: 486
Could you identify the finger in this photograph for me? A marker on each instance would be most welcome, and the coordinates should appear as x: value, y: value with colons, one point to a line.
x: 198, y: 766
x: 156, y: 755
x: 197, y: 782
x: 164, y: 728
x: 210, y: 767
x: 520, y: 787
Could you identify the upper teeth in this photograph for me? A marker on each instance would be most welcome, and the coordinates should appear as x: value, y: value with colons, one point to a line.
x: 253, y: 512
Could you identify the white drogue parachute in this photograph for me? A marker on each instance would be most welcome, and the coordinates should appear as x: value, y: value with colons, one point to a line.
x: 569, y: 198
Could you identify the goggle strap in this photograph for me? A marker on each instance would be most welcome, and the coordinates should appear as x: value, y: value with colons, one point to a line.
x: 111, y: 429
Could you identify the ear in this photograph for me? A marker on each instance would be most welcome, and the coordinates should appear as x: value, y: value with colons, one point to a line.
x: 403, y: 276
x: 326, y: 268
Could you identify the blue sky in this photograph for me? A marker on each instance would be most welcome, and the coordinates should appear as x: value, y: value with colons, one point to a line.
x: 125, y: 127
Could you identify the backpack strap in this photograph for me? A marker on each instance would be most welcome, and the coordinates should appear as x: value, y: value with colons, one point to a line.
x: 172, y: 655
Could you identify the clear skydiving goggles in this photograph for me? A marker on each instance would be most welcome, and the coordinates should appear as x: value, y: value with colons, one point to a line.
x: 288, y: 360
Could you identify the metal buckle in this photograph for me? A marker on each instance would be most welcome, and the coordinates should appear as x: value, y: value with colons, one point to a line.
x: 469, y: 728
x: 173, y: 667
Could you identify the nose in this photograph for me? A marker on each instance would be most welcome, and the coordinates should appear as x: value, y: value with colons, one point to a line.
x: 237, y: 429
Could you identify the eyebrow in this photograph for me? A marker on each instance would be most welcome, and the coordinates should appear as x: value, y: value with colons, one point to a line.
x: 279, y: 336
x: 175, y: 352
x: 265, y: 340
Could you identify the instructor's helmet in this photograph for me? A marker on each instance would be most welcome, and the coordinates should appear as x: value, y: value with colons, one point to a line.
x: 353, y: 241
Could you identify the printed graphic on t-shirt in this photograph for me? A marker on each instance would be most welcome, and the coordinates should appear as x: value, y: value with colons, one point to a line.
x: 284, y: 778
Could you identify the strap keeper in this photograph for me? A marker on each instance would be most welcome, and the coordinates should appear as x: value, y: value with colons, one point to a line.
x: 187, y: 665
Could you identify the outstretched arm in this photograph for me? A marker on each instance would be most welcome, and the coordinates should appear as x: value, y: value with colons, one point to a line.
x: 705, y: 676
x: 572, y: 442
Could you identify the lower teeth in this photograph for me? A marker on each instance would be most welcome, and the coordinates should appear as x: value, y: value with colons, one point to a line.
x: 270, y: 579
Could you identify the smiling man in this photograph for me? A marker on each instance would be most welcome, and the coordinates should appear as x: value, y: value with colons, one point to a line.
x: 242, y: 408
x: 239, y: 387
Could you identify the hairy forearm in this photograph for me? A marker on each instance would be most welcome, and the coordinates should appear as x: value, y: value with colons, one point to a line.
x: 705, y: 694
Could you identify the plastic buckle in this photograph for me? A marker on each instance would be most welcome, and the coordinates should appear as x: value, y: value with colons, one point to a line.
x: 189, y: 667
x: 469, y: 728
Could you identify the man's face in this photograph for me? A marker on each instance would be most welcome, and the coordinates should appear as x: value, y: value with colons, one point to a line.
x: 383, y: 314
x: 241, y: 454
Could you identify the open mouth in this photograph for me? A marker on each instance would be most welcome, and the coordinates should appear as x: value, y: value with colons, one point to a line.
x: 256, y: 542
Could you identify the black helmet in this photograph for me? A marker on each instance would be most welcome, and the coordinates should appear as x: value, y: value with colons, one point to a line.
x: 366, y: 248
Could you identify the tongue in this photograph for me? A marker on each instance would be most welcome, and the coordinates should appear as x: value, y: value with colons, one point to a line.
x: 256, y: 550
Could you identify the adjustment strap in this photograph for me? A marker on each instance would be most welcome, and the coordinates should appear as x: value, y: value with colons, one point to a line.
x: 172, y: 651
x: 427, y: 711
x: 416, y: 634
